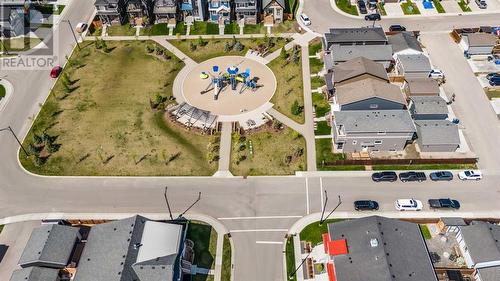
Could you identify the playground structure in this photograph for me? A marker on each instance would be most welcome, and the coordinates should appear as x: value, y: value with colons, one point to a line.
x: 232, y: 76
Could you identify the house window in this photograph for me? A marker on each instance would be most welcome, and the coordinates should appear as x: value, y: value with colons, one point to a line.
x: 373, y: 106
x: 340, y: 145
x: 378, y: 142
x: 381, y: 133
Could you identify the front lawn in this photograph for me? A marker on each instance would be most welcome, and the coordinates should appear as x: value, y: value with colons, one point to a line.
x: 320, y: 104
x: 160, y: 29
x: 204, y: 237
x: 316, y: 65
x: 226, y: 260
x: 315, y: 47
x: 19, y: 44
x: 424, y: 167
x: 232, y: 28
x: 317, y: 82
x: 121, y: 30
x: 464, y: 6
x: 268, y: 152
x: 410, y: 8
x: 322, y: 129
x: 426, y: 233
x: 345, y: 5
x: 98, y: 120
x: 313, y: 232
x: 254, y: 28
x: 439, y: 7
x: 204, y: 28
x: 289, y: 96
x: 290, y: 258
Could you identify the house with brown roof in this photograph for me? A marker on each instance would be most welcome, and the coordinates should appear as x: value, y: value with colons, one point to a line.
x: 421, y: 87
x: 478, y: 43
x: 358, y: 69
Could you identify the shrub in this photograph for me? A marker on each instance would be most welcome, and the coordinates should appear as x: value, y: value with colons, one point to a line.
x: 192, y: 46
x: 238, y: 46
x: 296, y: 108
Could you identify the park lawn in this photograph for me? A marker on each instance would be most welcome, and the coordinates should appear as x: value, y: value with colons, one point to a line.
x: 204, y: 237
x: 121, y: 30
x: 2, y: 92
x: 313, y: 232
x: 215, y: 47
x: 316, y: 65
x: 426, y: 233
x: 463, y: 5
x: 290, y: 258
x: 320, y: 104
x: 424, y: 167
x: 204, y: 28
x: 345, y: 5
x: 492, y: 93
x: 264, y: 153
x: 226, y: 259
x: 410, y: 8
x: 289, y: 88
x: 105, y: 125
x: 439, y: 7
x: 322, y: 129
x: 19, y: 44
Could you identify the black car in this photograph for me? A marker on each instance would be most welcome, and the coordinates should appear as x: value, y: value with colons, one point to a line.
x: 362, y: 7
x: 441, y: 176
x: 446, y: 203
x: 495, y: 81
x: 373, y: 17
x: 492, y: 75
x: 412, y: 176
x: 397, y: 27
x: 384, y: 176
x: 365, y: 205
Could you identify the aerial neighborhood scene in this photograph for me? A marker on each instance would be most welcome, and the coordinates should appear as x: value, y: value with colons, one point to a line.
x: 249, y: 140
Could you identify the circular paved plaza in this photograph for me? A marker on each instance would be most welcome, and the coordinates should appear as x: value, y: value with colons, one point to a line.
x: 200, y: 91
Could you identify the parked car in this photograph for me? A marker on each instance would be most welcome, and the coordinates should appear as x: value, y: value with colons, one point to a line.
x: 444, y: 204
x: 362, y: 7
x: 436, y: 74
x: 481, y: 4
x: 397, y: 27
x: 384, y: 176
x: 491, y: 75
x: 305, y: 19
x: 412, y: 176
x: 408, y: 205
x: 365, y: 205
x: 373, y: 17
x: 81, y: 27
x: 441, y: 176
x: 56, y: 70
x: 470, y: 175
x: 495, y: 81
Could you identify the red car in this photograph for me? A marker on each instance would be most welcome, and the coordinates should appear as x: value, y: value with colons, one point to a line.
x: 56, y: 70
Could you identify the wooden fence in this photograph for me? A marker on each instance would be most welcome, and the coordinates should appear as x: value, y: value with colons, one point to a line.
x: 371, y: 162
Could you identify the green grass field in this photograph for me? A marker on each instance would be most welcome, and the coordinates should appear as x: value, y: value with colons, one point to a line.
x: 345, y: 5
x: 323, y: 129
x: 320, y: 104
x: 313, y: 232
x: 426, y: 233
x: 2, y: 92
x: 162, y: 29
x: 290, y: 259
x: 204, y: 28
x: 226, y: 260
x: 121, y: 30
x: 410, y: 8
x: 205, y: 243
x: 316, y: 65
x: 315, y: 46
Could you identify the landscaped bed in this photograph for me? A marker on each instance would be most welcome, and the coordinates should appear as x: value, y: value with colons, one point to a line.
x: 99, y: 120
x: 273, y: 150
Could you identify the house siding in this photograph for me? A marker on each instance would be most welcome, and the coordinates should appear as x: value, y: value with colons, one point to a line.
x: 372, y: 104
x: 438, y: 148
x: 355, y: 142
x: 357, y: 78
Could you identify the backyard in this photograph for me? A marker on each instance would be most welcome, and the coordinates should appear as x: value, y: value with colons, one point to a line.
x: 279, y: 151
x: 119, y: 131
x: 289, y: 96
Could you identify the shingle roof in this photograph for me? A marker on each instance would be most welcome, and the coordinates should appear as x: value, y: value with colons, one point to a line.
x: 453, y: 221
x: 423, y: 86
x: 347, y: 35
x: 381, y: 249
x: 357, y: 67
x: 265, y: 3
x: 437, y: 132
x: 428, y: 105
x: 368, y: 88
x: 51, y: 244
x: 35, y: 273
x: 480, y: 39
x: 490, y: 273
x: 482, y: 240
x: 342, y: 53
x: 404, y: 40
x: 375, y: 121
x: 415, y: 62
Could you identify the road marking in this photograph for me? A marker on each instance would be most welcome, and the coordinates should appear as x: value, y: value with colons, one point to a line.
x: 307, y: 195
x: 269, y: 242
x: 259, y: 230
x: 321, y: 192
x: 262, y: 217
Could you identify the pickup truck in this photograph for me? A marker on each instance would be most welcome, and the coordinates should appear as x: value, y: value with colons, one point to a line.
x: 412, y: 176
x: 444, y: 204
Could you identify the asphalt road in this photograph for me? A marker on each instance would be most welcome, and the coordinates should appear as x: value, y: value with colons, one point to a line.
x: 258, y: 211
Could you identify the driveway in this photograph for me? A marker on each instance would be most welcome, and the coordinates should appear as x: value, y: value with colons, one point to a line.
x: 424, y: 11
x: 393, y: 9
x: 451, y: 6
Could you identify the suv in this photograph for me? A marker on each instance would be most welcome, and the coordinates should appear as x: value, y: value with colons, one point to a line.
x: 492, y: 75
x: 384, y: 176
x: 362, y: 205
x: 373, y: 17
x: 441, y: 176
x: 362, y: 7
x: 397, y: 27
x: 305, y: 19
x: 412, y: 176
x: 481, y: 4
x: 436, y: 74
x: 470, y: 175
x: 494, y: 81
x: 408, y: 205
x: 446, y: 203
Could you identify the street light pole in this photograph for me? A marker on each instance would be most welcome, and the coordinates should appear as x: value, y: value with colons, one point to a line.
x: 17, y: 139
x: 168, y: 205
x: 290, y: 277
x: 73, y: 32
x: 199, y: 198
x: 322, y: 221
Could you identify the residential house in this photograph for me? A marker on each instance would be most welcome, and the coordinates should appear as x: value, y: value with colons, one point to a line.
x: 478, y: 43
x: 194, y: 8
x: 370, y: 130
x: 136, y: 10
x: 354, y: 36
x: 12, y: 21
x: 166, y: 11
x: 377, y: 249
x: 341, y: 53
x: 35, y: 273
x: 437, y: 135
x: 479, y: 243
x: 273, y: 11
x: 428, y: 108
x: 405, y: 43
x: 421, y: 87
x: 247, y: 10
x: 413, y: 66
x: 450, y: 224
x: 135, y: 249
x: 111, y: 11
x: 358, y: 69
x: 219, y: 11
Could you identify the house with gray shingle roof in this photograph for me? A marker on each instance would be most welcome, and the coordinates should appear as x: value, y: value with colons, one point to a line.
x: 428, y: 108
x: 437, y: 136
x: 421, y: 87
x: 354, y: 36
x: 50, y: 246
x: 413, y: 66
x: 369, y: 130
x: 478, y: 43
x: 405, y: 43
x: 111, y: 11
x: 342, y: 53
x: 274, y: 9
x: 35, y: 273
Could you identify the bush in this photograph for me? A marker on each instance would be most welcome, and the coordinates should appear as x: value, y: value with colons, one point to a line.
x: 283, y: 54
x: 296, y: 108
x: 192, y: 46
x: 238, y: 47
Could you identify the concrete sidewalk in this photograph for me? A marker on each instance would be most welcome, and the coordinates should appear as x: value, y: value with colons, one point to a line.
x: 225, y: 150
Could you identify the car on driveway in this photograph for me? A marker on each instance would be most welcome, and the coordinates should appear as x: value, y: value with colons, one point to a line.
x: 365, y: 205
x: 385, y: 176
x: 56, y: 70
x: 373, y: 17
x: 470, y: 175
x: 481, y: 4
x: 436, y: 74
x: 397, y: 27
x: 362, y: 7
x: 305, y: 19
x: 491, y: 75
x: 494, y: 81
x: 408, y: 205
x: 441, y: 176
x: 445, y: 203
x: 412, y: 176
x: 81, y: 27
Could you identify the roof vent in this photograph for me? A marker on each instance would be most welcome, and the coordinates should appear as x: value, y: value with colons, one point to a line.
x: 374, y: 242
x: 137, y: 246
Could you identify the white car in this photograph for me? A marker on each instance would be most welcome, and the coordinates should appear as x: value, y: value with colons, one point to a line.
x: 81, y: 27
x: 470, y: 175
x: 305, y: 19
x: 436, y: 74
x: 408, y: 205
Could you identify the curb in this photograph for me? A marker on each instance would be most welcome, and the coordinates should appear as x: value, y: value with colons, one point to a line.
x: 9, y: 91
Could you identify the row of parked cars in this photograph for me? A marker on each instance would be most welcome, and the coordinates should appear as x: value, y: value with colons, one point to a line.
x: 493, y: 78
x: 409, y: 204
x: 391, y: 176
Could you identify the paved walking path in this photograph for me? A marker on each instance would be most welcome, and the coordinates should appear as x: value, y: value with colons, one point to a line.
x: 174, y: 37
x: 178, y: 53
x: 277, y: 53
x: 287, y: 121
x: 225, y: 149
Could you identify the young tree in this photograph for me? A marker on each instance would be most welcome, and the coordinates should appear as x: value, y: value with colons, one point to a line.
x: 283, y: 54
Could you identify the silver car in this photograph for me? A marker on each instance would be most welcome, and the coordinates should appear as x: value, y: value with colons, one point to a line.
x: 481, y: 4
